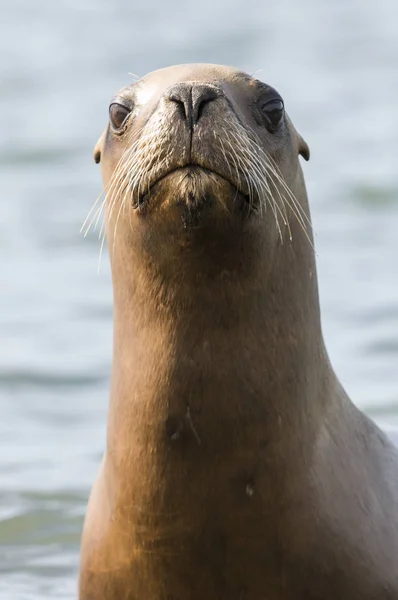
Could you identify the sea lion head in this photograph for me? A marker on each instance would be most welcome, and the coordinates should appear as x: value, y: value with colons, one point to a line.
x: 201, y: 158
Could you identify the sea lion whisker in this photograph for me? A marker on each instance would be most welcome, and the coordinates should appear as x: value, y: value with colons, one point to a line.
x: 89, y: 213
x: 294, y: 211
x: 294, y: 204
x: 124, y: 172
x: 231, y: 154
x: 270, y: 164
x: 256, y: 72
x: 243, y: 170
x: 115, y: 228
x: 223, y: 152
x: 275, y: 180
x: 120, y: 185
x: 273, y: 204
x: 93, y: 217
x: 281, y: 205
x: 251, y: 166
x: 252, y: 172
x: 105, y: 191
x: 261, y: 175
x: 103, y: 225
x: 157, y: 168
x: 273, y: 170
x: 268, y: 180
x: 233, y: 157
x: 100, y: 253
x: 142, y: 165
x: 227, y: 162
x: 96, y: 218
x: 116, y: 195
x: 100, y: 212
x: 115, y: 182
x: 298, y: 206
x: 137, y: 179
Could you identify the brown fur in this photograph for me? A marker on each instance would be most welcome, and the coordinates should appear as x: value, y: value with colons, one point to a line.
x: 236, y: 468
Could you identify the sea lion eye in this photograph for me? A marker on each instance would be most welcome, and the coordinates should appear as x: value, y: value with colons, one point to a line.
x: 273, y: 112
x: 118, y: 115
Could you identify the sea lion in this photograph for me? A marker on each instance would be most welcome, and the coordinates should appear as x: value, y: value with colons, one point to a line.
x: 236, y: 467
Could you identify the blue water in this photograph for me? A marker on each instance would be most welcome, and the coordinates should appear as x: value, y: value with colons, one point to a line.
x: 335, y: 64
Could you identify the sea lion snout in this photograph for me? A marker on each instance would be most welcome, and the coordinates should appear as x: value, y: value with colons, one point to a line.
x: 191, y: 98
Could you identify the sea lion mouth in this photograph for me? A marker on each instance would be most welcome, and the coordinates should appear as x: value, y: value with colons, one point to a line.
x: 193, y: 170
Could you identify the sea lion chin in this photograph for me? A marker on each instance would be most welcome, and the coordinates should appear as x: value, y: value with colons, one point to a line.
x: 197, y: 196
x: 236, y: 466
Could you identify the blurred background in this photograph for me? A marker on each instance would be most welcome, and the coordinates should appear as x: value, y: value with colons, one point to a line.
x: 336, y: 65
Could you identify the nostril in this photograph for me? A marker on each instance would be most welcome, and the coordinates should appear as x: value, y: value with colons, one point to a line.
x: 181, y: 94
x: 182, y: 104
x: 201, y: 96
x: 191, y: 99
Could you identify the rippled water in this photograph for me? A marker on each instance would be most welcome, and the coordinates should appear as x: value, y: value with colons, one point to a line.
x: 335, y: 63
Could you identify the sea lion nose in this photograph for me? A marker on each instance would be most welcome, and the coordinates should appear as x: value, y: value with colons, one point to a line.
x: 192, y: 98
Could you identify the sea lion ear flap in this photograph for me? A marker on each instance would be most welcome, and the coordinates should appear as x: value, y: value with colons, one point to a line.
x: 98, y: 150
x: 304, y: 150
x: 97, y: 155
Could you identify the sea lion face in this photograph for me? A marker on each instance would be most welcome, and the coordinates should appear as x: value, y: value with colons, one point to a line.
x: 199, y: 147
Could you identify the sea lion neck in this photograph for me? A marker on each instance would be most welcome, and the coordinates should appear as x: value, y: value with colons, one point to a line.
x: 178, y: 345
